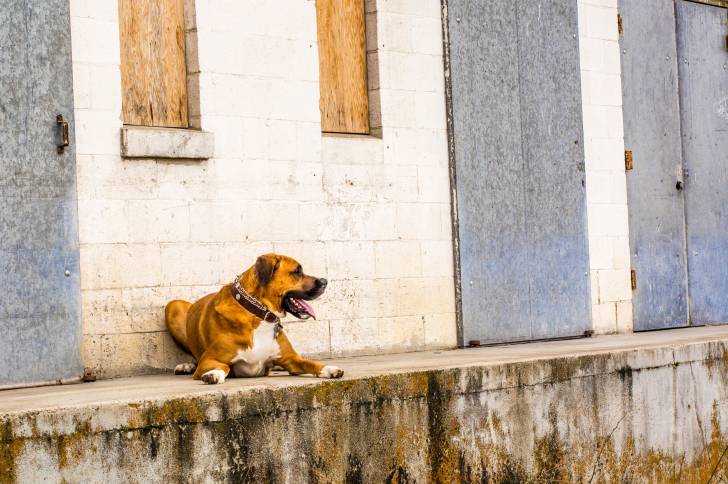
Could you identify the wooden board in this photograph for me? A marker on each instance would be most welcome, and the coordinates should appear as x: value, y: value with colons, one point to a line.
x: 342, y: 65
x: 153, y: 69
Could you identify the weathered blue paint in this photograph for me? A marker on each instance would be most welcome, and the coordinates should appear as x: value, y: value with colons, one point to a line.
x: 652, y: 132
x: 702, y: 31
x: 519, y: 166
x: 675, y: 86
x: 39, y: 305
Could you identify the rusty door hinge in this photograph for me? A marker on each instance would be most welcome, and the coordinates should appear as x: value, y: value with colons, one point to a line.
x: 628, y: 161
x: 63, y: 125
x: 620, y: 25
x: 633, y: 279
x: 88, y: 375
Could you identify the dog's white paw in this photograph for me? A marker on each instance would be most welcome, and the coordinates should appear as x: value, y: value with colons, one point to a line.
x: 214, y: 376
x: 330, y: 371
x: 185, y: 369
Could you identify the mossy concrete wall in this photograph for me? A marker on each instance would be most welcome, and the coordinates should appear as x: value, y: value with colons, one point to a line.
x: 647, y: 415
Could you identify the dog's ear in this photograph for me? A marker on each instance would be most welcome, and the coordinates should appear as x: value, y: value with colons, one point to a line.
x: 265, y: 267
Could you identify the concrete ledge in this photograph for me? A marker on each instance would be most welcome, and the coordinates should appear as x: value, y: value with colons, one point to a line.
x: 644, y: 407
x: 166, y: 143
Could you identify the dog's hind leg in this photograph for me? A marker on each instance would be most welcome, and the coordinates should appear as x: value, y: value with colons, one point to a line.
x: 175, y: 317
x: 185, y: 368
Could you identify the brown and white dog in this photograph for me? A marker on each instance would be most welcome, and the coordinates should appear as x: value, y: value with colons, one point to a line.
x: 238, y: 330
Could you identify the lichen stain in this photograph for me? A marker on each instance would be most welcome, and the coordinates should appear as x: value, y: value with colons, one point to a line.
x: 398, y: 476
x: 10, y: 451
x: 549, y: 461
x: 556, y: 461
x: 442, y: 427
x: 375, y: 430
x: 70, y: 446
x: 176, y: 411
x: 563, y: 369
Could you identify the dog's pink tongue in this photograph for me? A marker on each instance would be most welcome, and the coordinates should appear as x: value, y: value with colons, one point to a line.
x: 307, y: 308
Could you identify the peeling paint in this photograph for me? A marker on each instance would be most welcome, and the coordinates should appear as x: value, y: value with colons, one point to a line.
x: 722, y: 108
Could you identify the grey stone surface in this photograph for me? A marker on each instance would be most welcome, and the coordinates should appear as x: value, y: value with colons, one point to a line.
x: 166, y: 143
x: 633, y: 408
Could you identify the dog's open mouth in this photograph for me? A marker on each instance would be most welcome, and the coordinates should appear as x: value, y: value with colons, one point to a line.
x: 298, y: 307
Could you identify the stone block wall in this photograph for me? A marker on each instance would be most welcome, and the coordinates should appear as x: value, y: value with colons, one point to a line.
x: 370, y: 213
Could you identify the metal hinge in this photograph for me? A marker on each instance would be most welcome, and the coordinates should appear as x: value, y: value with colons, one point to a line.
x: 89, y: 375
x: 620, y: 26
x: 628, y: 161
x: 633, y: 279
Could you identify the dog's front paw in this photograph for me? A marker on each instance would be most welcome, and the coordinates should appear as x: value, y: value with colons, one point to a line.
x: 330, y: 371
x: 185, y: 369
x: 213, y: 377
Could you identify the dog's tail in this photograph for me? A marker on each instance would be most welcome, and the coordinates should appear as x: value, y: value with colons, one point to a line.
x: 175, y: 316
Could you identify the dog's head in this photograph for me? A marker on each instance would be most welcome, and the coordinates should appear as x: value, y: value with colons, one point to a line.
x: 283, y: 285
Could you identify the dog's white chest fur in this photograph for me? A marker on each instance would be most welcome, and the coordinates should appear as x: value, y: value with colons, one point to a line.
x: 256, y: 360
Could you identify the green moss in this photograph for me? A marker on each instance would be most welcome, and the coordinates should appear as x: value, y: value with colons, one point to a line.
x: 426, y: 426
x: 549, y: 461
x: 70, y: 446
x: 564, y: 368
x: 10, y: 451
x: 183, y: 410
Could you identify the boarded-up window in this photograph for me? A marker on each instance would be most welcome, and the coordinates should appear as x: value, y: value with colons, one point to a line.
x: 153, y: 70
x: 342, y: 66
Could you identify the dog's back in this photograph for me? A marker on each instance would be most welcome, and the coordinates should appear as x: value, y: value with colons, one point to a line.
x: 175, y: 317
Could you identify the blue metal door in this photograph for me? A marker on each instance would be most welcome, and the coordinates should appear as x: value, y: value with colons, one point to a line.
x: 675, y: 88
x: 651, y: 111
x: 703, y: 61
x: 519, y: 163
x: 39, y: 253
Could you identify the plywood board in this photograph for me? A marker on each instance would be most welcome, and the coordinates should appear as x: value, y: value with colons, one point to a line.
x: 153, y: 69
x: 342, y: 66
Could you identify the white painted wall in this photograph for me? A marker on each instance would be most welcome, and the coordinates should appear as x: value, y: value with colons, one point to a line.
x: 605, y: 176
x: 370, y: 214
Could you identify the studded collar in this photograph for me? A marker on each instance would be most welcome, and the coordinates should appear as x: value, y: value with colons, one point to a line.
x: 251, y: 304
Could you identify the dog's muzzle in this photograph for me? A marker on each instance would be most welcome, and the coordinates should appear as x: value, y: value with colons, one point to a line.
x: 294, y: 302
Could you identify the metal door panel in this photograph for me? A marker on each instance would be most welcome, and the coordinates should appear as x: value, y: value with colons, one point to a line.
x: 519, y: 169
x: 490, y: 181
x: 652, y: 133
x: 40, y: 305
x: 702, y: 31
x: 552, y: 139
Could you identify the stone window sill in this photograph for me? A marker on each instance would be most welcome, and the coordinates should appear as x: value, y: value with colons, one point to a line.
x: 166, y: 143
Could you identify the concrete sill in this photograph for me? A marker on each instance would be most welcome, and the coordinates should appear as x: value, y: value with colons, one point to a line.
x: 462, y: 408
x: 616, y: 349
x: 166, y: 143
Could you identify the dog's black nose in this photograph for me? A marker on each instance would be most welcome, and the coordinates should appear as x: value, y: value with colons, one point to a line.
x: 321, y: 282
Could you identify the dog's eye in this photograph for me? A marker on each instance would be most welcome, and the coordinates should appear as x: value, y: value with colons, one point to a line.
x: 298, y: 272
